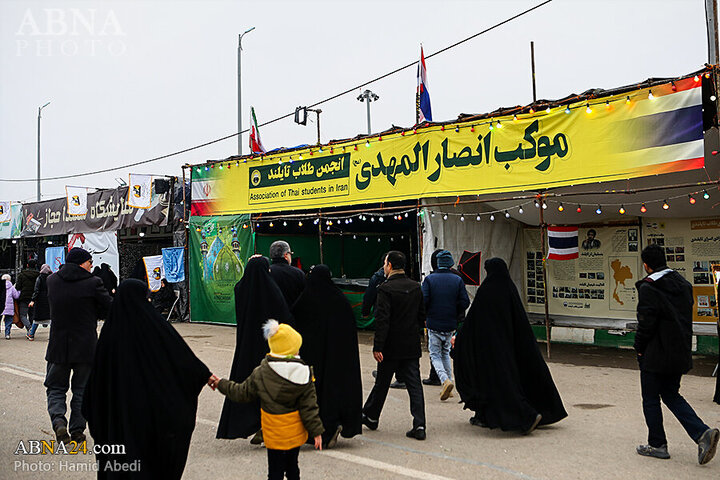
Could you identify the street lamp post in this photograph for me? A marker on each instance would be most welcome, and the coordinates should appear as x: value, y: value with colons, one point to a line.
x: 38, y: 150
x: 240, y: 89
x: 368, y: 96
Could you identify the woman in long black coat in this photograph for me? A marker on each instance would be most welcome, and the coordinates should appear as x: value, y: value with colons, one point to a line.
x: 257, y: 299
x: 324, y: 318
x: 143, y: 389
x: 500, y: 373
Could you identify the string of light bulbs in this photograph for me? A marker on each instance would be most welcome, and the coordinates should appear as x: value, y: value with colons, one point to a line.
x: 526, y: 112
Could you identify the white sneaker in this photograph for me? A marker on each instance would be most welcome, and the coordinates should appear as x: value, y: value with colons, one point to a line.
x: 7, y: 337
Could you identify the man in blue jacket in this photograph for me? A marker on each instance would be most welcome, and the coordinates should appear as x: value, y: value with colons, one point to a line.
x: 445, y: 296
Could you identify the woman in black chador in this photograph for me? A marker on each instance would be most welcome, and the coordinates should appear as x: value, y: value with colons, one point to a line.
x: 143, y: 389
x: 325, y: 320
x: 500, y: 373
x: 257, y: 299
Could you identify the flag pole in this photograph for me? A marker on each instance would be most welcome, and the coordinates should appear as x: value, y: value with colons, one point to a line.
x: 543, y: 237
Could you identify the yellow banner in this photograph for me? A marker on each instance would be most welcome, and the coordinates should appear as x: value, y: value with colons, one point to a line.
x: 642, y: 133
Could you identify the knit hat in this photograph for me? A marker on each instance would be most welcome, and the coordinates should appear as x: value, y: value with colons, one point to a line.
x: 78, y: 256
x: 284, y: 340
x: 445, y: 260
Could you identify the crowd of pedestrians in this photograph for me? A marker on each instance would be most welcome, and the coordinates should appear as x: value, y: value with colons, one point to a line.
x: 295, y: 375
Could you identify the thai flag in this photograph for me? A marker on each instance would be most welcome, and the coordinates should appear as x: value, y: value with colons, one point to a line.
x: 562, y: 243
x: 423, y: 111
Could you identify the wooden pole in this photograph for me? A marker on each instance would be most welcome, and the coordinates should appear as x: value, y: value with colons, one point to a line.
x: 543, y: 237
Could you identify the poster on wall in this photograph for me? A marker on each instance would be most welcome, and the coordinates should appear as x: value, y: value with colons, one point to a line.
x: 101, y: 245
x: 55, y: 256
x: 218, y: 251
x: 691, y: 247
x: 11, y: 227
x: 599, y: 283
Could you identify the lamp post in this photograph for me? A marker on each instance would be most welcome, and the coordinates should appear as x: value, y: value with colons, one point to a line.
x: 368, y: 96
x: 38, y: 150
x: 240, y: 89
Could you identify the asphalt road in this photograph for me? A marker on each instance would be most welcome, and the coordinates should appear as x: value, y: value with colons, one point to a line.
x: 600, y: 388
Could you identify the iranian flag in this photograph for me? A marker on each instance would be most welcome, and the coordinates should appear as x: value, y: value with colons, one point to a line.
x: 255, y: 143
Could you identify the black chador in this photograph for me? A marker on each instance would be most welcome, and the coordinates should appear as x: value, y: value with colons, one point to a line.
x: 500, y: 373
x: 257, y: 299
x: 325, y: 320
x: 143, y: 389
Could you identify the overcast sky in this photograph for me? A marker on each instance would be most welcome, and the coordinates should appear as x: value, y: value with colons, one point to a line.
x: 132, y: 80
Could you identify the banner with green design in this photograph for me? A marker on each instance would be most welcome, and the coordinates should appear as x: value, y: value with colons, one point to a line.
x: 219, y: 249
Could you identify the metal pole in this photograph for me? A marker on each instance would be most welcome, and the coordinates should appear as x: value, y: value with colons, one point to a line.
x: 39, y: 195
x: 320, y: 239
x: 532, y: 63
x: 712, y: 31
x: 38, y: 157
x: 240, y: 88
x: 543, y: 236
x: 367, y: 100
x: 318, y: 112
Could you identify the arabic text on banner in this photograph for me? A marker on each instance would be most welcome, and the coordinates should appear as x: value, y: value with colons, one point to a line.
x: 140, y: 191
x: 619, y: 141
x: 101, y: 245
x: 76, y: 200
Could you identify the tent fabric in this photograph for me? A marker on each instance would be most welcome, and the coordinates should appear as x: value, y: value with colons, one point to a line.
x: 501, y: 238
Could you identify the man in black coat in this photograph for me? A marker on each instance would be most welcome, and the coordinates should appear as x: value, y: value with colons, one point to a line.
x: 77, y: 300
x: 291, y: 280
x: 26, y: 285
x: 664, y: 347
x: 399, y: 323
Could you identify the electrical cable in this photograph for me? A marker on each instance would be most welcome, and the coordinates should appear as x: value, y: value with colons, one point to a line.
x: 353, y: 89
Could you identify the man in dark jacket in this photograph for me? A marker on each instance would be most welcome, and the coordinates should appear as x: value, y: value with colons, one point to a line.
x: 291, y: 280
x: 399, y: 323
x: 664, y: 347
x: 77, y: 300
x: 445, y: 296
x: 26, y: 285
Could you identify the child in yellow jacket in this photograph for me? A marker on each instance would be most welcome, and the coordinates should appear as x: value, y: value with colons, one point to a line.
x: 289, y: 412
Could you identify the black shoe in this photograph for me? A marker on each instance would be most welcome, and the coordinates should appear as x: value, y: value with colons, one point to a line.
x: 534, y: 425
x: 371, y: 424
x: 374, y: 373
x: 78, y: 437
x: 417, y: 433
x: 257, y: 438
x: 477, y: 422
x: 61, y: 434
x: 397, y: 384
x: 707, y: 445
x: 649, y: 451
x: 431, y: 381
x: 333, y: 440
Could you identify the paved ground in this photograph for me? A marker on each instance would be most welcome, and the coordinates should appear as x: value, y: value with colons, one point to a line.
x: 600, y: 389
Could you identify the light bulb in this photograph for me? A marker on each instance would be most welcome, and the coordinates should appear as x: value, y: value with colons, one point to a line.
x: 579, y: 209
x: 507, y: 214
x: 622, y: 210
x: 567, y: 109
x: 477, y: 218
x: 381, y: 219
x: 627, y: 100
x: 650, y: 95
x: 560, y: 207
x: 544, y: 206
x: 643, y: 208
x: 706, y: 195
x: 691, y: 199
x: 284, y: 224
x: 588, y: 109
x: 665, y: 205
x: 598, y: 210
x: 445, y: 217
x: 462, y: 218
x: 492, y: 217
x: 521, y: 211
x: 299, y: 224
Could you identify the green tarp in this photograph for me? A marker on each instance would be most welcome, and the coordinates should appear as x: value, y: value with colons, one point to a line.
x: 219, y: 249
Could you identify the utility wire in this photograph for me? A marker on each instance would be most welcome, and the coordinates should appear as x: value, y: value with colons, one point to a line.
x: 345, y: 92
